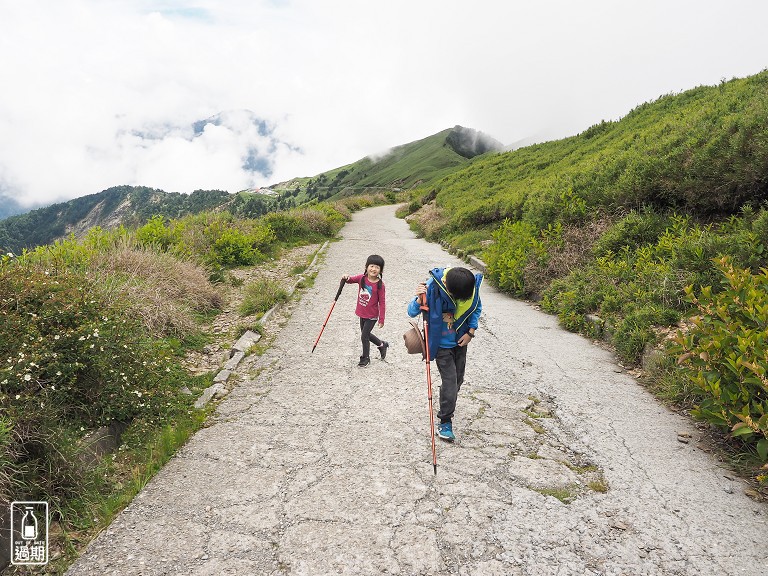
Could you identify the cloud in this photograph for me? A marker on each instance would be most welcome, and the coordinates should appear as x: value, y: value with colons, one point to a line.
x: 98, y: 94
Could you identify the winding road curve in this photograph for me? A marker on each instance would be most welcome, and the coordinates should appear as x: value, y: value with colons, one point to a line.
x: 313, y: 466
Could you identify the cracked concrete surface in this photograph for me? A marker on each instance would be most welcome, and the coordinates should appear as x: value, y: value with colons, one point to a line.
x: 564, y: 464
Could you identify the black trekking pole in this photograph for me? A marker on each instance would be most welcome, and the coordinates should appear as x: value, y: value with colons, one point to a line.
x: 425, y: 312
x: 341, y: 287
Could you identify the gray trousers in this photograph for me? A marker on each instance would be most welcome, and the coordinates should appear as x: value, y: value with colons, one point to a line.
x: 450, y: 363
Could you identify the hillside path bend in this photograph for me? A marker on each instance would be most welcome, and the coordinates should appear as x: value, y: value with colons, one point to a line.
x: 314, y: 466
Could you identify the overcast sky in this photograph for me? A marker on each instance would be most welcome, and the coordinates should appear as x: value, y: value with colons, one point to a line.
x: 99, y: 93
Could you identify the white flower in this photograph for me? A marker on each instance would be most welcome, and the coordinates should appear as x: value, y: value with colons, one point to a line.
x: 27, y: 377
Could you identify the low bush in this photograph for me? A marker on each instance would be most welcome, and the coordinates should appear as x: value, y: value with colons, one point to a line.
x: 638, y: 228
x: 73, y: 360
x: 634, y: 330
x: 156, y: 233
x: 261, y: 296
x: 164, y: 292
x: 725, y: 354
x: 507, y: 257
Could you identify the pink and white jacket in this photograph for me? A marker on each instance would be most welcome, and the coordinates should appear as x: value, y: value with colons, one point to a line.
x: 370, y: 298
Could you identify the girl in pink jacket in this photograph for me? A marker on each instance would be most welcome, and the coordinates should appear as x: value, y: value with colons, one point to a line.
x: 371, y: 305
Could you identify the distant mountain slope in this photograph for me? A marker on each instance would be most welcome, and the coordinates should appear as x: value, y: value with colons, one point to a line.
x: 9, y: 207
x: 418, y: 162
x: 127, y: 205
x: 405, y: 166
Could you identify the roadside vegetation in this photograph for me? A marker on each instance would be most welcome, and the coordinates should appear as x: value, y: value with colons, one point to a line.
x: 649, y: 233
x: 93, y: 334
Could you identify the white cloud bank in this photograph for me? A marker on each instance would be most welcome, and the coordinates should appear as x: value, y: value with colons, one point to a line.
x: 99, y: 94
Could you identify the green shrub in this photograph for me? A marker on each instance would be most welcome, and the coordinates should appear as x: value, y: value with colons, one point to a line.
x: 287, y: 226
x: 72, y: 361
x: 156, y: 233
x: 508, y: 256
x: 70, y: 349
x: 234, y: 248
x: 635, y: 330
x: 725, y: 354
x: 556, y: 201
x: 261, y: 296
x: 239, y: 246
x: 635, y: 229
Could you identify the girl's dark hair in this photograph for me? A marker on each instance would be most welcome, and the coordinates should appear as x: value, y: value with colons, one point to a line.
x: 378, y: 261
x: 460, y: 283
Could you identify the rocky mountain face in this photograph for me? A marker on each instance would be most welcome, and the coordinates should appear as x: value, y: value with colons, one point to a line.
x: 470, y: 143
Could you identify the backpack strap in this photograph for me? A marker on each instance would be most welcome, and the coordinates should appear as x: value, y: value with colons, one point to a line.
x: 362, y: 283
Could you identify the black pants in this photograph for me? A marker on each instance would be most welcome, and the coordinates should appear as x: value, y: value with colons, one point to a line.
x: 366, y: 325
x: 450, y: 363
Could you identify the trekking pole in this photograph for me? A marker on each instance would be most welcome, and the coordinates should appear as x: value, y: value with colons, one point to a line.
x: 425, y: 312
x: 341, y: 287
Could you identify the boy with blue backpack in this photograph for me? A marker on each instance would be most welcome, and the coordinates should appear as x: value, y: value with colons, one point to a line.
x: 453, y: 313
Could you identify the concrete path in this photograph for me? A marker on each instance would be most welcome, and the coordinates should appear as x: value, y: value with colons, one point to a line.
x: 564, y: 465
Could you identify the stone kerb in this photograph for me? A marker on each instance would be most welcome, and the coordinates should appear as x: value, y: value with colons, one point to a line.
x: 248, y: 339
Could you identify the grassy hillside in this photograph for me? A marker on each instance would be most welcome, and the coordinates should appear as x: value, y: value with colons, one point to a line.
x: 416, y: 163
x: 637, y: 229
x: 703, y: 152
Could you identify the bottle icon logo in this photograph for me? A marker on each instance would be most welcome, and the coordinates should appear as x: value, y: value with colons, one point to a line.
x: 28, y: 524
x: 29, y: 533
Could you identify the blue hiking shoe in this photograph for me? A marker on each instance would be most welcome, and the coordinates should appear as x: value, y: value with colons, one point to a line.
x: 445, y: 431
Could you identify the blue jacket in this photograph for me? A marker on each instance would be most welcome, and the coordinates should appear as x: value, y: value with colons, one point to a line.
x: 440, y: 301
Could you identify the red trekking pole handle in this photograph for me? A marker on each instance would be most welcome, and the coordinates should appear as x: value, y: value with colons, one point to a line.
x: 425, y: 312
x: 341, y: 287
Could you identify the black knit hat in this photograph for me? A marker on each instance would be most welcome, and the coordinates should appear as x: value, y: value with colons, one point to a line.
x: 378, y: 261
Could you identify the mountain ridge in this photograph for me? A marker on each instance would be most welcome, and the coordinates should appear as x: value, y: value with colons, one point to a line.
x: 403, y: 166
